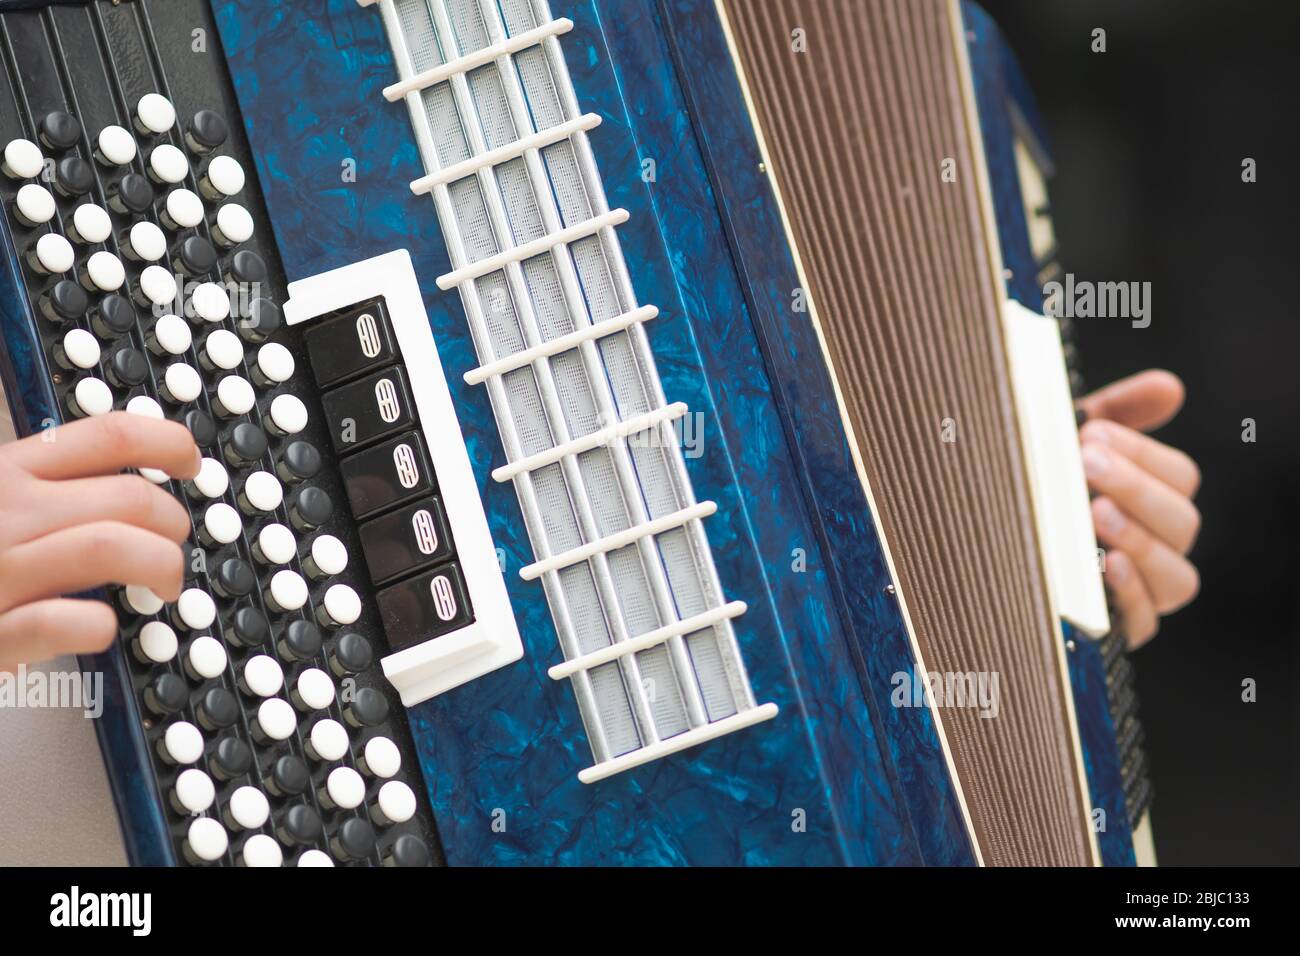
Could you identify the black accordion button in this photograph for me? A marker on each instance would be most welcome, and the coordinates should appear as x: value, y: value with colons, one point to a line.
x: 408, y: 850
x: 355, y: 839
x: 217, y: 709
x: 261, y: 322
x: 386, y: 475
x: 249, y: 628
x: 309, y: 507
x: 247, y: 445
x: 167, y: 695
x: 351, y: 655
x: 114, y: 316
x: 194, y: 256
x: 246, y: 267
x: 368, y: 708
x: 350, y: 344
x: 406, y: 540
x: 299, y: 825
x: 234, y: 579
x: 299, y: 462
x: 424, y: 607
x: 231, y: 758
x: 206, y: 131
x: 131, y: 194
x: 201, y: 426
x: 60, y: 130
x: 128, y: 367
x: 301, y: 641
x: 73, y: 176
x: 65, y: 302
x: 373, y: 408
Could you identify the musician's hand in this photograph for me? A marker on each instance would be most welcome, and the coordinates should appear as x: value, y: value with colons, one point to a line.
x: 69, y: 522
x: 1143, y: 507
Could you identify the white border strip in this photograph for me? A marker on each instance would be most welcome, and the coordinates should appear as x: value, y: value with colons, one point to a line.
x: 581, y: 230
x: 650, y: 639
x: 562, y: 343
x: 601, y: 436
x: 612, y: 542
x: 635, y: 758
x: 472, y: 61
x: 503, y: 154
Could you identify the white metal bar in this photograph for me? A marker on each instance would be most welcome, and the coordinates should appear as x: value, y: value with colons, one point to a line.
x: 503, y: 154
x: 698, y: 735
x: 536, y: 247
x: 650, y: 639
x: 602, y: 436
x: 560, y: 344
x: 619, y: 539
x: 472, y: 61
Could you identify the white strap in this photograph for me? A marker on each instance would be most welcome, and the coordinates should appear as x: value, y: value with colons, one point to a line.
x: 650, y: 639
x: 503, y: 154
x: 573, y: 233
x: 560, y: 344
x: 471, y: 61
x: 620, y: 539
x: 601, y: 436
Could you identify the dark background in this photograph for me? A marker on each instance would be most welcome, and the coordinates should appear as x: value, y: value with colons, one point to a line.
x: 1148, y: 140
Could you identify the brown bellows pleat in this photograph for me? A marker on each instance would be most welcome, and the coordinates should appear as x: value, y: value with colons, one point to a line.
x: 861, y: 106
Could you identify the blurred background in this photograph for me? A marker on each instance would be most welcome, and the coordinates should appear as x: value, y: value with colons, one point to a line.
x: 1148, y: 140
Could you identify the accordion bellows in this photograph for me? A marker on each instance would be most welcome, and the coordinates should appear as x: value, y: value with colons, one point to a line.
x: 861, y: 108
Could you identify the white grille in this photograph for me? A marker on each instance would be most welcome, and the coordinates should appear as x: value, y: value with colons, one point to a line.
x: 616, y: 532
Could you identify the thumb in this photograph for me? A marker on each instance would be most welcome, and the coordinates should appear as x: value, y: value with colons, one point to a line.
x: 1144, y: 401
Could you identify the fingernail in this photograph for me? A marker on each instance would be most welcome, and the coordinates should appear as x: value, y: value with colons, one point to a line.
x: 1109, y: 519
x: 1095, y: 460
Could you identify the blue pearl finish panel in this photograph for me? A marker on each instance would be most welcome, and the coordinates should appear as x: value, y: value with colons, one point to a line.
x: 819, y: 784
x: 999, y: 86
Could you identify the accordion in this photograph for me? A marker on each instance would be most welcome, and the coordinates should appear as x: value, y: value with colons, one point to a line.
x: 629, y: 436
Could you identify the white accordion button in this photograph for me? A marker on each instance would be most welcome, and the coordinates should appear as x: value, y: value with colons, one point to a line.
x: 221, y: 523
x: 262, y: 676
x: 54, y: 253
x: 396, y: 803
x: 172, y: 335
x: 116, y: 146
x: 183, y: 743
x: 382, y: 758
x: 225, y: 176
x: 91, y: 223
x: 184, y: 208
x: 157, y: 642
x: 81, y: 348
x: 158, y: 285
x: 93, y: 397
x: 147, y: 241
x: 276, y: 719
x: 143, y: 601
x: 315, y: 690
x: 234, y: 224
x: 182, y: 382
x: 207, y: 839
x: 206, y: 658
x: 236, y: 395
x: 262, y: 491
x: 261, y: 850
x: 328, y: 556
x: 145, y: 407
x: 341, y: 605
x: 196, y: 609
x: 194, y: 791
x: 105, y: 271
x: 35, y: 204
x: 275, y: 362
x: 154, y: 113
x: 212, y: 480
x: 210, y: 302
x: 23, y: 159
x: 276, y: 544
x: 288, y: 414
x: 344, y: 788
x: 223, y: 349
x: 288, y: 591
x: 168, y: 165
x: 315, y: 858
x: 329, y: 740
